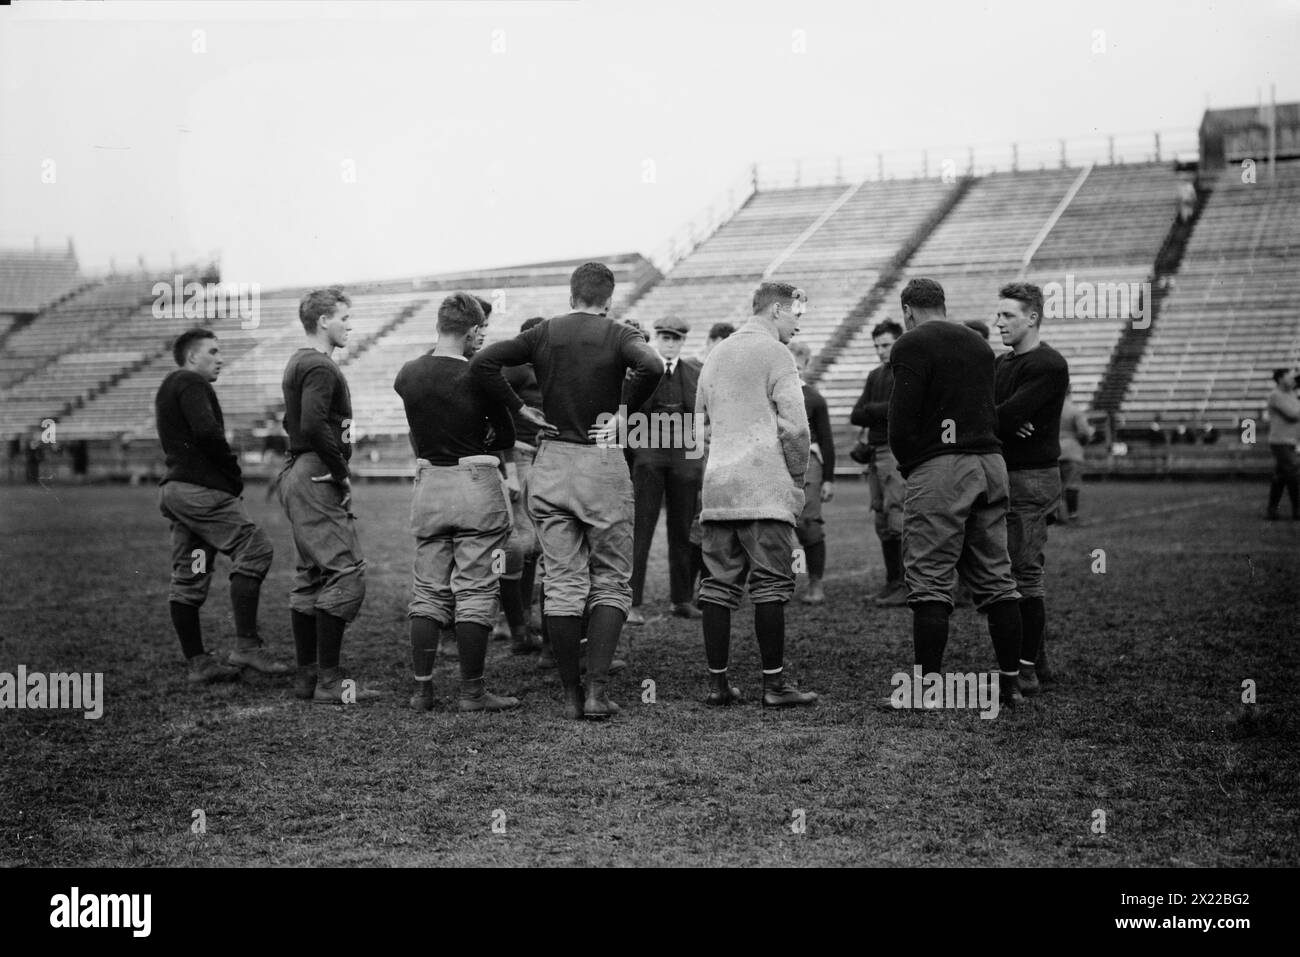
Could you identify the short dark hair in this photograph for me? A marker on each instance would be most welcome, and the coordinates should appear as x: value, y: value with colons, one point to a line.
x: 1026, y: 293
x: 924, y: 293
x: 1277, y: 373
x: 592, y: 284
x: 181, y: 347
x: 720, y: 330
x: 485, y: 306
x: 887, y: 327
x: 459, y: 313
x: 320, y: 303
x: 978, y: 326
x: 530, y: 322
x: 770, y: 292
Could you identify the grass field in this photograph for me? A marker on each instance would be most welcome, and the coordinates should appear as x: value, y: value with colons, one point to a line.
x: 1147, y: 723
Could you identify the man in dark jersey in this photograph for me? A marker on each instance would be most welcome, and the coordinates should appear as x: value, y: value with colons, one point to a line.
x: 819, y: 483
x: 942, y: 431
x: 580, y: 491
x: 871, y: 412
x: 1031, y: 383
x: 200, y: 497
x: 315, y: 490
x: 460, y: 514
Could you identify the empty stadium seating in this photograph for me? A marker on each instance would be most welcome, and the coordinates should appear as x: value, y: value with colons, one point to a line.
x: 1230, y: 316
x: 30, y: 280
x: 1108, y: 234
x: 858, y: 230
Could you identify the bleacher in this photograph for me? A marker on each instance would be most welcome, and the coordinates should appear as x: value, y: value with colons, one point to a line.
x: 1109, y: 233
x: 1230, y: 316
x: 859, y: 228
x: 32, y: 279
x: 78, y: 322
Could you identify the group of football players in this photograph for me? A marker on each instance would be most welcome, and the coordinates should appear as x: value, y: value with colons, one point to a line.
x: 520, y: 479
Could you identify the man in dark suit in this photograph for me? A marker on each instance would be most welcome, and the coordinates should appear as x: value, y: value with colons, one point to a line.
x: 670, y: 470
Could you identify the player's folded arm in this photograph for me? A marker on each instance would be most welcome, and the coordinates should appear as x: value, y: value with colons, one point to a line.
x: 317, y: 388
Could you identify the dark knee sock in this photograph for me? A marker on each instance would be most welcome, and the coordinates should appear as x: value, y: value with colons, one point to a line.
x: 424, y: 645
x: 512, y: 601
x: 769, y: 627
x: 816, y: 559
x: 185, y: 618
x: 471, y: 644
x: 329, y: 639
x: 717, y: 635
x: 527, y: 580
x: 604, y: 626
x: 892, y: 549
x: 1293, y: 493
x: 697, y: 565
x: 930, y: 634
x: 1005, y: 630
x: 1033, y: 618
x: 1072, y: 501
x: 304, y: 637
x: 565, y: 632
x: 244, y: 594
x: 1275, y: 493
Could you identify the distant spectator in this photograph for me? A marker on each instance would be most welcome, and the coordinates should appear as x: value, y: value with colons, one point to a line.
x: 1156, y: 433
x: 80, y: 458
x: 1185, y: 434
x: 1075, y: 434
x: 35, y: 455
x: 1209, y: 434
x: 1186, y: 200
x: 1283, y: 433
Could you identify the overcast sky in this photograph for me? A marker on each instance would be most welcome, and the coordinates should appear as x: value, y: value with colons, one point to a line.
x: 487, y: 134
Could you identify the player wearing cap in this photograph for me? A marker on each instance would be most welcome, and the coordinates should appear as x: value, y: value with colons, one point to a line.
x: 667, y: 469
x: 200, y: 497
x: 753, y: 407
x: 943, y: 432
x: 871, y: 412
x: 580, y: 493
x: 315, y: 490
x: 1030, y: 385
x: 717, y: 332
x: 819, y: 483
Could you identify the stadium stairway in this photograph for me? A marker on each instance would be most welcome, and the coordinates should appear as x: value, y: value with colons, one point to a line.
x: 1230, y: 316
x: 1132, y: 344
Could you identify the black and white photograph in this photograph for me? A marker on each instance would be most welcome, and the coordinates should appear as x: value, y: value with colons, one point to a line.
x: 603, y: 433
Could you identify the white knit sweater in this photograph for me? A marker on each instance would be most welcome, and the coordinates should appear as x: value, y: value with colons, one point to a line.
x: 757, y: 428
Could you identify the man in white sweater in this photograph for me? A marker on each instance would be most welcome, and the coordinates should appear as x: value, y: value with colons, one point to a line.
x: 751, y: 401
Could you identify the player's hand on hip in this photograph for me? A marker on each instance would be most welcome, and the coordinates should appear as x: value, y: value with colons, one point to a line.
x: 534, y: 416
x: 344, y: 484
x: 606, y: 436
x: 828, y: 491
x: 512, y: 487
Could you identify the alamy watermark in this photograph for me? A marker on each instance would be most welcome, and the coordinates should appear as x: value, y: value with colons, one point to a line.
x: 1098, y: 300
x: 951, y: 690
x: 651, y: 430
x: 76, y: 692
x: 208, y: 300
